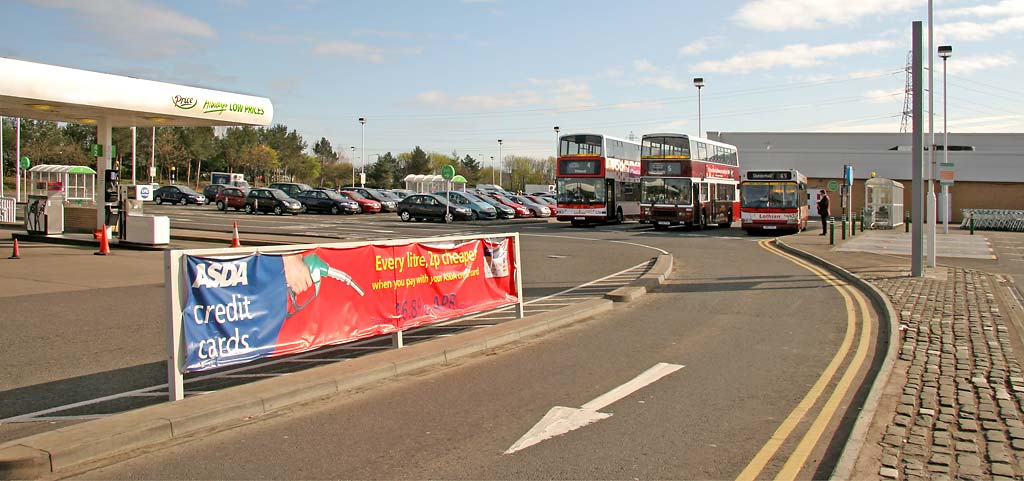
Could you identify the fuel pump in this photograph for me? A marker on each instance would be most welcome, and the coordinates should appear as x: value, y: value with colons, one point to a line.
x: 111, y: 197
x: 130, y: 205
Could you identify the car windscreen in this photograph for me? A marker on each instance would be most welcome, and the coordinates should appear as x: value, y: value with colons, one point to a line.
x: 279, y: 194
x: 354, y: 195
x: 187, y: 190
x: 335, y: 196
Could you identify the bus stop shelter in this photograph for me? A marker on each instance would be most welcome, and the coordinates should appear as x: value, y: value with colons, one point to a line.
x: 49, y: 92
x: 78, y: 182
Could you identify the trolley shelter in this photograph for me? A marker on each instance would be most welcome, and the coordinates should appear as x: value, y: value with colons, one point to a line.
x: 48, y: 92
x: 77, y: 182
x: 883, y: 203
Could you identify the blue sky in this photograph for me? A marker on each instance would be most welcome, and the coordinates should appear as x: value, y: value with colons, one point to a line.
x: 459, y: 74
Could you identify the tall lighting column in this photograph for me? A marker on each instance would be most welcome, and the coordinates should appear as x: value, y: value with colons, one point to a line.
x: 362, y: 153
x: 930, y: 208
x: 699, y: 83
x: 556, y: 142
x: 500, y: 183
x: 945, y: 51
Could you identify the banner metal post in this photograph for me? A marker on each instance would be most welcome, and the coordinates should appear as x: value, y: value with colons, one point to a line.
x: 176, y: 344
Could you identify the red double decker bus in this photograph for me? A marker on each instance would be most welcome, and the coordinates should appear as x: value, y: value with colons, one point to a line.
x: 774, y: 200
x: 598, y: 179
x: 688, y: 181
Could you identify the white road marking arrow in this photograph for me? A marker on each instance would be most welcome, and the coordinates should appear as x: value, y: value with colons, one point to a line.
x: 560, y: 420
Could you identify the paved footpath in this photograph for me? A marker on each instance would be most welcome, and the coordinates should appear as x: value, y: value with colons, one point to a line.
x: 951, y: 408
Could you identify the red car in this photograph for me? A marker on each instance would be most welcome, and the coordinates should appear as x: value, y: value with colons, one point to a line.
x: 365, y: 205
x: 545, y: 202
x: 521, y: 210
x: 233, y: 197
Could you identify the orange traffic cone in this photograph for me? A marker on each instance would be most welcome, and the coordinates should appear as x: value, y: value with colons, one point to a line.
x: 14, y: 255
x: 104, y: 243
x: 235, y: 241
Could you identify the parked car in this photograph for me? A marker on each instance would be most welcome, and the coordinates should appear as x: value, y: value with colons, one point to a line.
x: 323, y: 200
x: 504, y: 211
x: 387, y: 204
x: 401, y: 193
x: 233, y: 197
x: 521, y: 210
x: 431, y: 206
x: 481, y: 209
x: 271, y: 200
x: 178, y: 194
x: 365, y: 205
x: 211, y: 191
x: 545, y: 201
x: 291, y: 188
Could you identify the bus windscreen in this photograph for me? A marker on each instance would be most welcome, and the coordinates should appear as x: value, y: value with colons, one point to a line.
x: 769, y: 195
x: 657, y: 190
x: 581, y: 191
x: 666, y: 147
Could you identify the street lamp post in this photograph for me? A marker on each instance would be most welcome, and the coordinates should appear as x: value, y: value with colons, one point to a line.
x: 945, y: 51
x: 500, y: 183
x: 930, y: 207
x: 353, y: 165
x: 699, y: 83
x: 492, y: 169
x: 362, y: 154
x: 556, y: 143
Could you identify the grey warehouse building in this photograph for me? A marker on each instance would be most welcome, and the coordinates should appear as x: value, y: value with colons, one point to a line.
x: 989, y: 167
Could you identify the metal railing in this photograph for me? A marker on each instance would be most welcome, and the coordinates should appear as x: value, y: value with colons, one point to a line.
x: 993, y: 219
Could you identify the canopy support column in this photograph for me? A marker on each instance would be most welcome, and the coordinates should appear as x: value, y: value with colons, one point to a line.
x: 104, y: 137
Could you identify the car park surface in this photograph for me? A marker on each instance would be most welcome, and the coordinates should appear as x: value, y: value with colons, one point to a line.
x: 271, y: 200
x: 178, y: 194
x: 329, y: 201
x: 430, y: 206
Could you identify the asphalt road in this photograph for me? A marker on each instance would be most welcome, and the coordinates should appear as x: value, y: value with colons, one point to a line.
x: 79, y: 327
x: 752, y: 330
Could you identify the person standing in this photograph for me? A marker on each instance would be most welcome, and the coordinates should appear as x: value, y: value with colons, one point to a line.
x: 823, y: 210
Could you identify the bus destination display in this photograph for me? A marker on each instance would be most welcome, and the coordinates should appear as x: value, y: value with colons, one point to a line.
x: 774, y: 175
x: 580, y: 167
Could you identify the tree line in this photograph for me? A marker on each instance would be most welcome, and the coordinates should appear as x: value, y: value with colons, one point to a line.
x: 263, y: 154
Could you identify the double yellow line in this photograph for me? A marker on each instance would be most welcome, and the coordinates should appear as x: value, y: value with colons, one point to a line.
x: 810, y: 439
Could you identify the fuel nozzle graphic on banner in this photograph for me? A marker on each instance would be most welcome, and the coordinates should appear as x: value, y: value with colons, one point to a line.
x: 318, y: 269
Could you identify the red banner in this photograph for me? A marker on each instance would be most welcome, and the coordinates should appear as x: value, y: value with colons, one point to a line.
x: 241, y: 309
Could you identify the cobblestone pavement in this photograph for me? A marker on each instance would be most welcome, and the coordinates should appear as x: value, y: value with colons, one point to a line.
x: 952, y: 405
x: 959, y: 415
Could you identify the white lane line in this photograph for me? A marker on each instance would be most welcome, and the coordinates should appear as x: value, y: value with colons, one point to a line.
x: 560, y: 420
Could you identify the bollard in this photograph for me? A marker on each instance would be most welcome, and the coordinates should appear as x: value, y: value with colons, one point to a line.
x: 844, y: 227
x: 906, y: 222
x: 972, y: 223
x: 831, y: 231
x: 862, y: 220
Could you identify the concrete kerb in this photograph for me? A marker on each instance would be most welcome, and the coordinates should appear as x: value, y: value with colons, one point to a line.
x: 81, y: 444
x: 855, y: 443
x: 654, y: 277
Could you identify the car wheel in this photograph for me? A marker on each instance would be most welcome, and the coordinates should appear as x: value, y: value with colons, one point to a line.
x: 405, y: 216
x: 277, y: 210
x: 334, y: 210
x: 248, y: 209
x: 474, y: 216
x: 183, y: 201
x: 221, y: 206
x: 448, y: 217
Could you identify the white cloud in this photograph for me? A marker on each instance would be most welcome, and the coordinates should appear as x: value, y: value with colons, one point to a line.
x: 780, y: 15
x: 153, y: 30
x: 569, y: 95
x: 1002, y: 9
x: 668, y: 82
x: 966, y: 65
x: 798, y: 55
x: 643, y: 65
x: 694, y: 48
x: 974, y: 31
x: 361, y: 51
x: 476, y: 103
x: 883, y: 96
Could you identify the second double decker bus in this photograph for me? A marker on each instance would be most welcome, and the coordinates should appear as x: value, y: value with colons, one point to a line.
x: 688, y: 181
x: 597, y: 179
x: 774, y: 200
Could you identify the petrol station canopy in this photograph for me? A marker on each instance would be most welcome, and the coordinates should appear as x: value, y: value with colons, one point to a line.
x: 48, y: 92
